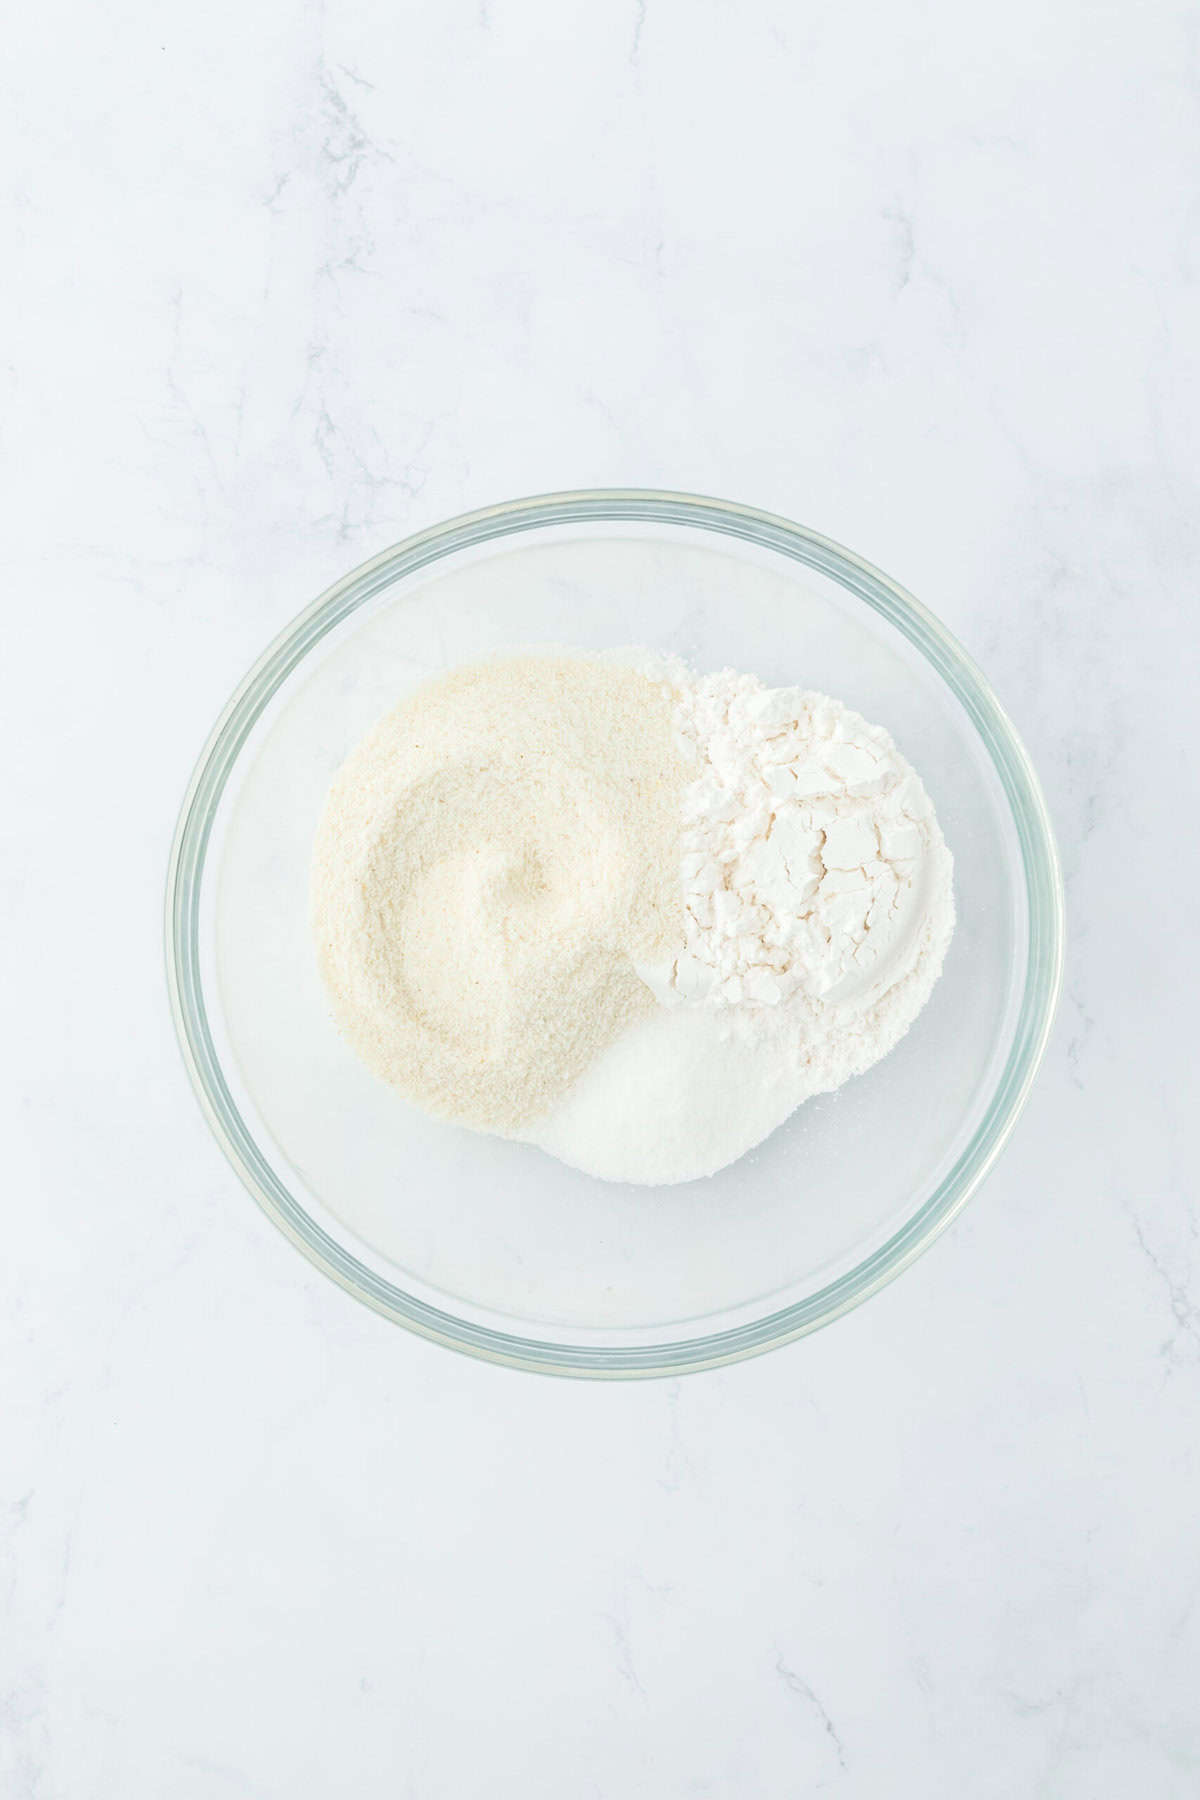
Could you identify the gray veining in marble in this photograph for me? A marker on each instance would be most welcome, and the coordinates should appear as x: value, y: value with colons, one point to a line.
x: 285, y: 283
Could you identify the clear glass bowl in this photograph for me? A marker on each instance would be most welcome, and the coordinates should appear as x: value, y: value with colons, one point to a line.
x: 495, y: 1248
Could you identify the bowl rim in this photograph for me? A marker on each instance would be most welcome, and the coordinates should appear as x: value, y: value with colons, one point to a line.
x: 1039, y: 856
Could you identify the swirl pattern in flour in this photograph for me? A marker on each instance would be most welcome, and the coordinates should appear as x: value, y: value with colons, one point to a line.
x: 493, y: 862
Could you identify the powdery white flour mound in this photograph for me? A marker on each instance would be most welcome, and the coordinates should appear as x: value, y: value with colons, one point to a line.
x: 809, y: 849
x: 493, y: 861
x: 818, y: 907
x: 628, y: 914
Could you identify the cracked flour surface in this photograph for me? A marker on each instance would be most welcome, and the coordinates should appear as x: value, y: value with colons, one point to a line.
x: 810, y: 852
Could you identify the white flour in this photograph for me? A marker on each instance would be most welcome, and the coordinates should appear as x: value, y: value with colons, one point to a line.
x: 627, y: 914
x: 808, y: 845
x: 818, y: 909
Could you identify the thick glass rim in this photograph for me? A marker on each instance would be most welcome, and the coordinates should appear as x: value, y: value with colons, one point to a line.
x: 1038, y: 1001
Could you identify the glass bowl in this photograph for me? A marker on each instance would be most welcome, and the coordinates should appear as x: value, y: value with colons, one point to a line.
x: 493, y: 1247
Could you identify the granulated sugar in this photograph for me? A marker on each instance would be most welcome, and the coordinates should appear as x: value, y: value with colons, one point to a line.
x: 628, y: 914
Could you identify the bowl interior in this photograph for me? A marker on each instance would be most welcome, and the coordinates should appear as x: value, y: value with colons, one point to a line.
x: 498, y: 1238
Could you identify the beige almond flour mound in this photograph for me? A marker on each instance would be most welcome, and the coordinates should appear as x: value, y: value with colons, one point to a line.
x: 493, y: 861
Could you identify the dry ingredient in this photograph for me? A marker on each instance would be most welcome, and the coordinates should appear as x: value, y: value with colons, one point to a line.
x: 626, y: 913
x: 804, y: 836
x: 494, y: 861
x: 818, y: 907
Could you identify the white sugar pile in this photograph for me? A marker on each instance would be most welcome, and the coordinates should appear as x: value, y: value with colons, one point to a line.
x: 625, y: 913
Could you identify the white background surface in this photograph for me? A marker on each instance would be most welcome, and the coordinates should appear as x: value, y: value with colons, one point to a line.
x: 292, y: 281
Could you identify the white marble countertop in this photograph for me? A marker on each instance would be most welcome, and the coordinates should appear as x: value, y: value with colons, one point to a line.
x: 293, y: 282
